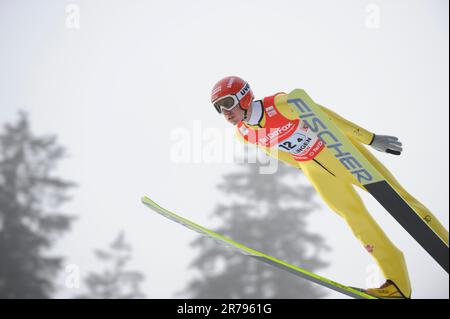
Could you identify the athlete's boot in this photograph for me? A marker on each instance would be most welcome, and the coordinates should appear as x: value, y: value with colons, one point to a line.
x: 388, y: 290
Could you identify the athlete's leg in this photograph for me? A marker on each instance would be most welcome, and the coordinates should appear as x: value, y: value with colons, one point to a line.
x: 423, y: 212
x: 342, y: 198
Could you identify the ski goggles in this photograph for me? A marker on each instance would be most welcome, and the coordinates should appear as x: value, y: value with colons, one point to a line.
x: 230, y: 101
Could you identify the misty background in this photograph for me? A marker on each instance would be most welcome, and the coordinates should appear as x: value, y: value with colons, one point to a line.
x: 103, y: 86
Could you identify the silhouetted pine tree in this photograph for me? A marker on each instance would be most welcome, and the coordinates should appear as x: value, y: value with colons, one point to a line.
x: 30, y: 222
x: 115, y: 282
x: 265, y: 212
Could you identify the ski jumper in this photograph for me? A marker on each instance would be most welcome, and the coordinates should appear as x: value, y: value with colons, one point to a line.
x: 283, y: 135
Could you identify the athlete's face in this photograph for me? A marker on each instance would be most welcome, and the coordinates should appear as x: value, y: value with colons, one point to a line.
x: 235, y: 115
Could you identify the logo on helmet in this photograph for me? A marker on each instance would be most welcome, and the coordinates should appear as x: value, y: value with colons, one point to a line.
x: 216, y: 90
x: 245, y: 89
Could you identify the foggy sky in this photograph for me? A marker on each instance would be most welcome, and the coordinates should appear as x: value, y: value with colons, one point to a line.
x: 135, y: 71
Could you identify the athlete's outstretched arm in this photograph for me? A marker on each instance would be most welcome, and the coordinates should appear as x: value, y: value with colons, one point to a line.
x: 382, y: 143
x: 349, y: 128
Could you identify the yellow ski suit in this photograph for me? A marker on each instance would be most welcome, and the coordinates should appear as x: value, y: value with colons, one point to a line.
x: 334, y: 184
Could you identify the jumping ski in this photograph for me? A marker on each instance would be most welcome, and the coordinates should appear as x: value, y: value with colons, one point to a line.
x: 352, y: 159
x: 300, y: 272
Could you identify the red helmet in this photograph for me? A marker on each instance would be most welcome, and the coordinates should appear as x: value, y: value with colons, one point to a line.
x: 230, y: 92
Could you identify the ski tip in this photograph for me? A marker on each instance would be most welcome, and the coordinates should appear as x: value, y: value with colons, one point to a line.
x: 145, y: 199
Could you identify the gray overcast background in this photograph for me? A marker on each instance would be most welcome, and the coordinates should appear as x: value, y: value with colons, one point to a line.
x: 114, y: 90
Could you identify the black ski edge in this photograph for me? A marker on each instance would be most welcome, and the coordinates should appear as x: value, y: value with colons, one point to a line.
x: 410, y: 221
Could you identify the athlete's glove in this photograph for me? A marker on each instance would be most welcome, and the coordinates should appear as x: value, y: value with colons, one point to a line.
x: 387, y: 144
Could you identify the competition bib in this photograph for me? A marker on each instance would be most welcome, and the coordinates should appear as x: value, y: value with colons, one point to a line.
x: 291, y: 136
